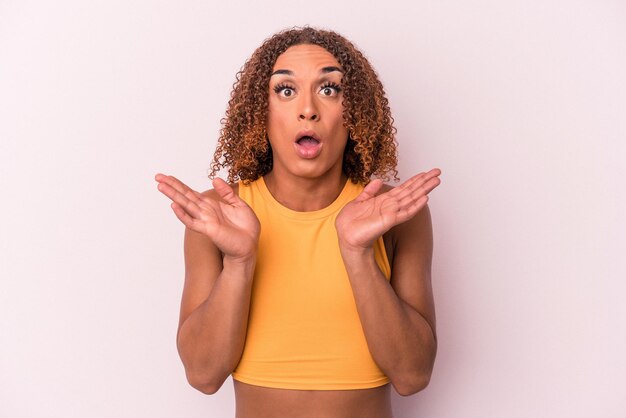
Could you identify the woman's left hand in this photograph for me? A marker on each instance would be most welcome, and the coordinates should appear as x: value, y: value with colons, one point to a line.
x: 369, y: 216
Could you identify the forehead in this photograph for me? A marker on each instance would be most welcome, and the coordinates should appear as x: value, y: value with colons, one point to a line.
x: 305, y: 56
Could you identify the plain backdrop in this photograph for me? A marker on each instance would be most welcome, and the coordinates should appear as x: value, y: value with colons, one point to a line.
x: 521, y: 103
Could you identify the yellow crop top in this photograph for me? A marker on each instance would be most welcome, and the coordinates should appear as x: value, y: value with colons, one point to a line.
x: 304, y: 331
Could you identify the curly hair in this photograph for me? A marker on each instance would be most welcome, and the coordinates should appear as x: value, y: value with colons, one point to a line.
x: 243, y: 146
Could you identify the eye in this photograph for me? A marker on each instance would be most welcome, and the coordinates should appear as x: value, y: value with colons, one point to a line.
x: 330, y: 89
x: 284, y: 90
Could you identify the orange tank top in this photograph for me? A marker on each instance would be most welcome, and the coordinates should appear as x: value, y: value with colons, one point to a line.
x: 304, y: 331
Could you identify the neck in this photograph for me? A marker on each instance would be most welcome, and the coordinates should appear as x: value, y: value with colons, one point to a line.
x: 304, y: 194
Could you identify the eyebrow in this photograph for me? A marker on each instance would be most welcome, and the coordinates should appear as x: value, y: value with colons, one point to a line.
x: 325, y: 70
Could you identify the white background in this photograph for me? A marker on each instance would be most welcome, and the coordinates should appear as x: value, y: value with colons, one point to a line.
x: 522, y: 104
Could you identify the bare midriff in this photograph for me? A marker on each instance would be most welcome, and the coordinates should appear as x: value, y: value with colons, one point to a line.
x: 262, y: 402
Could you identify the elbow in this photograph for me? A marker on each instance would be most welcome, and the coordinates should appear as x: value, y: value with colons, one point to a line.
x: 411, y: 384
x: 205, y: 384
x: 203, y: 376
x: 412, y: 380
x: 414, y: 377
x: 206, y: 388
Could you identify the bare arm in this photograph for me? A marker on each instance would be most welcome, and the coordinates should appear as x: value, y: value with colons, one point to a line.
x: 398, y: 318
x: 220, y: 254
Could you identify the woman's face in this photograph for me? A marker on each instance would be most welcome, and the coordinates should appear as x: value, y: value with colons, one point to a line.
x: 305, y: 122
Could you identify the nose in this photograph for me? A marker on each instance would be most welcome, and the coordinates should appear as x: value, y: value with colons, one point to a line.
x: 312, y: 117
x: 308, y: 108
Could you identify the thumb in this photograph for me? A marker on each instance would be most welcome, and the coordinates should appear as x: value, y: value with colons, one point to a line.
x: 225, y: 191
x: 370, y: 190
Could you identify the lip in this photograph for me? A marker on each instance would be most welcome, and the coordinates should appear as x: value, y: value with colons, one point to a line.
x: 307, y: 151
x: 307, y: 132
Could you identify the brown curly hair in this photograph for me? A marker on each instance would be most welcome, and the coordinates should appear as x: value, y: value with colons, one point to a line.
x: 243, y: 147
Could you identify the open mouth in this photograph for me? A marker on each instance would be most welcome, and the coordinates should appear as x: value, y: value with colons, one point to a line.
x: 308, y: 145
x: 307, y: 141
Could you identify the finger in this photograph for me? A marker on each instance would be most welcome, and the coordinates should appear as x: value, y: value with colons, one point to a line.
x: 412, y: 210
x: 407, y: 212
x: 409, y: 199
x: 171, y: 181
x: 183, y: 216
x: 187, y: 191
x: 423, y: 176
x: 395, y: 214
x: 421, y: 184
x: 226, y: 192
x: 370, y: 190
x: 181, y: 200
x: 431, y: 184
x: 179, y: 186
x: 408, y: 185
x: 411, y: 196
x: 204, y: 226
x: 407, y: 188
x: 434, y: 172
x: 420, y: 188
x: 171, y: 184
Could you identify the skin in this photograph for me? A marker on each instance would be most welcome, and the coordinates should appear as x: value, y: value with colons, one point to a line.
x: 221, y: 238
x: 309, y: 103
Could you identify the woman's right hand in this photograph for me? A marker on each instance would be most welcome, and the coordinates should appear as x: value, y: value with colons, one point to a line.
x: 229, y: 222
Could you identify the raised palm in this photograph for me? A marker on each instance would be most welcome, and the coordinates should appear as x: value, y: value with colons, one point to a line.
x: 369, y: 216
x: 226, y: 219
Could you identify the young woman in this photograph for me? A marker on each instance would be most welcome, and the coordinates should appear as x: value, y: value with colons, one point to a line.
x: 305, y: 279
